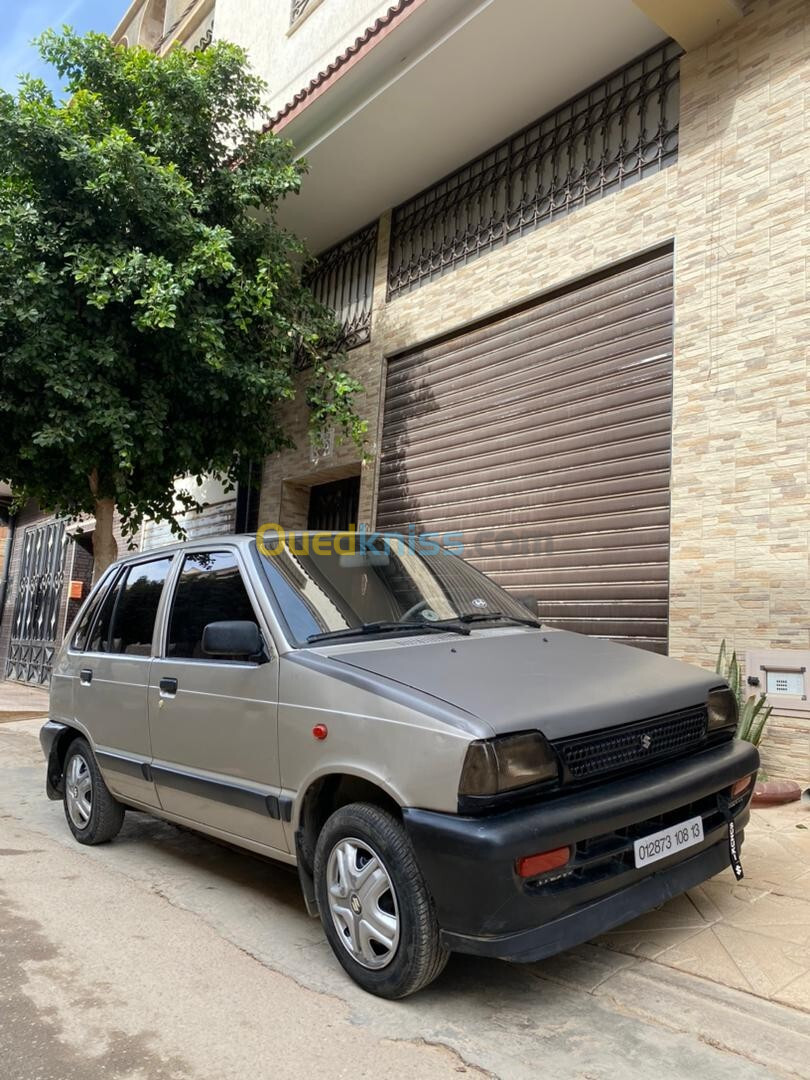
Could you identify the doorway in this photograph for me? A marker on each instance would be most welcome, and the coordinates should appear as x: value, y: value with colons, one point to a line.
x: 334, y: 506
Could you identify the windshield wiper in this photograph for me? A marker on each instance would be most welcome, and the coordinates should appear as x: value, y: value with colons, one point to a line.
x: 500, y: 616
x: 447, y: 626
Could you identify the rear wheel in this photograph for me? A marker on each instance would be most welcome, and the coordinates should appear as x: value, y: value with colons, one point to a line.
x: 93, y: 815
x: 375, y: 907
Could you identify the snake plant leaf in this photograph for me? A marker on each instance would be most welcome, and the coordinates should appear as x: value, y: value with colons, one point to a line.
x: 753, y: 711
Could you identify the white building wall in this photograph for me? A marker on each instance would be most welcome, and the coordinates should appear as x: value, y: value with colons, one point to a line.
x: 288, y: 57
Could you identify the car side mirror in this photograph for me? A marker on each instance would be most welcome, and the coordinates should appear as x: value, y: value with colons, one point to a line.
x: 236, y: 638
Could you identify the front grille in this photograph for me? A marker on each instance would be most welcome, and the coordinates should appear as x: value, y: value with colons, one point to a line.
x: 632, y: 745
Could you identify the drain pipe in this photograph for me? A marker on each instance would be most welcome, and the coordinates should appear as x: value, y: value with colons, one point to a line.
x: 9, y: 544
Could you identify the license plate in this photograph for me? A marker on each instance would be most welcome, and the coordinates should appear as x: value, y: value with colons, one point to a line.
x: 666, y: 842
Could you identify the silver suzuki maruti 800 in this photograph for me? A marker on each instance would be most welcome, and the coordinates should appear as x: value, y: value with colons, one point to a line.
x: 446, y: 773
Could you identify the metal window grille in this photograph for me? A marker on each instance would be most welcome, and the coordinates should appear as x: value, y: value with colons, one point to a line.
x: 297, y: 9
x: 34, y: 628
x: 343, y: 280
x: 617, y: 132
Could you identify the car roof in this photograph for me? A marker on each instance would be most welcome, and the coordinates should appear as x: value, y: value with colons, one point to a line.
x: 205, y: 543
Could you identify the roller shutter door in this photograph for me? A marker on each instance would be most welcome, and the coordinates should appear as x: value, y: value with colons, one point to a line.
x: 544, y: 437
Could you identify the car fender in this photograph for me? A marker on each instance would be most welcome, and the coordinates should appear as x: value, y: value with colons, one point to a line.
x: 341, y: 767
x: 54, y: 735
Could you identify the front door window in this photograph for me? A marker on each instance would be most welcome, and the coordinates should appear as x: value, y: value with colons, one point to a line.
x: 210, y: 589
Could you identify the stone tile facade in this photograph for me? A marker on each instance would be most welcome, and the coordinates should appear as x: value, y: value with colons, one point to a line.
x: 736, y: 206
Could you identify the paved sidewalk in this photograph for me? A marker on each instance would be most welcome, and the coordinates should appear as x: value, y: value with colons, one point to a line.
x: 753, y: 935
x: 19, y: 701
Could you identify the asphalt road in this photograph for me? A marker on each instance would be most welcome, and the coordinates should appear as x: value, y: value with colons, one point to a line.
x: 163, y: 956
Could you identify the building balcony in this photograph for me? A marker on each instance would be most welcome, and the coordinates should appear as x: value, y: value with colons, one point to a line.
x: 432, y: 85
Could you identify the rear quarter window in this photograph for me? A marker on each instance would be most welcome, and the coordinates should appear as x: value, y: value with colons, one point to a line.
x: 82, y: 632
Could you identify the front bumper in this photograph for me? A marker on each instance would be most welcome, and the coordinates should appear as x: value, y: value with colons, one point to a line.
x: 483, y: 907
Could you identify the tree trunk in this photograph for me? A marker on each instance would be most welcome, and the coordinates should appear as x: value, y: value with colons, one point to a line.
x: 105, y: 546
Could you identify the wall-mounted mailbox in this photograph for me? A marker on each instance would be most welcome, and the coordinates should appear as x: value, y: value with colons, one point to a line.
x: 782, y: 675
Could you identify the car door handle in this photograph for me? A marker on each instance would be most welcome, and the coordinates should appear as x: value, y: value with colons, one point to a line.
x: 168, y: 687
x: 86, y: 676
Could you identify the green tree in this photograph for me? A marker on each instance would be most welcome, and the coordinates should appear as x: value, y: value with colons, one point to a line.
x: 153, y: 317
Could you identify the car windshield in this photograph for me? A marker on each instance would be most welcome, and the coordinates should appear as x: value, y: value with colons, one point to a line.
x: 338, y: 585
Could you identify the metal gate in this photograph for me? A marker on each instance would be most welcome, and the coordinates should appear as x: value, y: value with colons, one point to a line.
x: 34, y: 629
x: 544, y: 437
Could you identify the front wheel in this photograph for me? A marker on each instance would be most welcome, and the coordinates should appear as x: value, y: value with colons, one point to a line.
x: 93, y: 815
x: 375, y: 908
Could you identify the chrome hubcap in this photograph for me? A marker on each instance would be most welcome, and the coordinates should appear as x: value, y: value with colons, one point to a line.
x: 79, y: 792
x: 363, y: 903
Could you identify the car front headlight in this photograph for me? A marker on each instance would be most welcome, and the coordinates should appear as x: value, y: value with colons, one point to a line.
x: 507, y: 763
x: 721, y: 707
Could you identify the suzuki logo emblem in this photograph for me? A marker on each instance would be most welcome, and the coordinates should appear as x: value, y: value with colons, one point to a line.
x: 646, y: 742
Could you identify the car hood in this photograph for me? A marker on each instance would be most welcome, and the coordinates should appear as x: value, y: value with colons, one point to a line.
x: 561, y: 683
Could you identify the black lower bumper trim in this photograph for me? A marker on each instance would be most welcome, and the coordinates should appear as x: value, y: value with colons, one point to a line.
x: 598, y: 917
x: 469, y: 863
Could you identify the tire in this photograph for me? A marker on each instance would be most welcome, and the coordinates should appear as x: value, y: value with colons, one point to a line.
x: 92, y: 814
x: 396, y: 950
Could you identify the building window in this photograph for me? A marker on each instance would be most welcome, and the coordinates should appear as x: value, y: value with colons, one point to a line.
x: 617, y: 132
x: 342, y: 278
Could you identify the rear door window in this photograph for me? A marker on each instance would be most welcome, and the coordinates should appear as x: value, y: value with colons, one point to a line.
x: 101, y: 628
x: 80, y: 637
x: 126, y: 622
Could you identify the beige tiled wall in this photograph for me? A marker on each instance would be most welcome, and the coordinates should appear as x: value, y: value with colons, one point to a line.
x: 740, y: 508
x: 736, y: 205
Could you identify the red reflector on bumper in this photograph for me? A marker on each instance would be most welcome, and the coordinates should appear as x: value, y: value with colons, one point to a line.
x: 532, y: 865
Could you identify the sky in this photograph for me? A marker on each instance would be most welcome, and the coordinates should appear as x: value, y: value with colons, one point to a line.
x: 26, y: 19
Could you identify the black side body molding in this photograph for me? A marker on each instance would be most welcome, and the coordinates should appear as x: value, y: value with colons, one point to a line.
x: 218, y: 790
x: 119, y: 763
